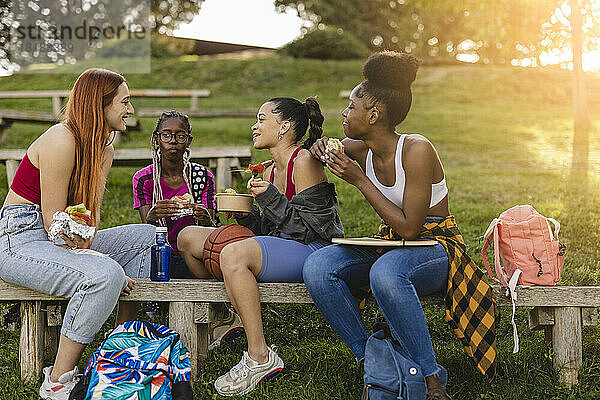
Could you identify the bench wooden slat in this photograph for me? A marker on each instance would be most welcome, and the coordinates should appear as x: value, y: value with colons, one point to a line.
x: 45, y: 117
x: 178, y: 290
x: 142, y: 154
x: 205, y: 113
x: 33, y: 94
x: 195, y: 290
x: 27, y: 116
x: 36, y: 94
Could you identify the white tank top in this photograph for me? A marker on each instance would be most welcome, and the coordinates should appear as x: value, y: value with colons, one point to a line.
x: 395, y: 193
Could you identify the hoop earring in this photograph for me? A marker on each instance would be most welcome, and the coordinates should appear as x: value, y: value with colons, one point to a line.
x: 280, y: 136
x: 112, y: 139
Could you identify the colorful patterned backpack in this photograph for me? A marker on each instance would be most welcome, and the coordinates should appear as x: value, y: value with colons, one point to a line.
x: 530, y: 252
x: 138, y: 360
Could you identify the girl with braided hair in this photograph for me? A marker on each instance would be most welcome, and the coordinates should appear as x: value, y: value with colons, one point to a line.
x: 402, y: 177
x: 173, y: 174
x: 298, y: 215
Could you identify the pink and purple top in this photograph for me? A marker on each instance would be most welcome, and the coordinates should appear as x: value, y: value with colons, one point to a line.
x: 203, y: 187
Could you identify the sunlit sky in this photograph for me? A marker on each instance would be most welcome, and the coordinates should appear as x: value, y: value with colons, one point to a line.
x: 252, y: 22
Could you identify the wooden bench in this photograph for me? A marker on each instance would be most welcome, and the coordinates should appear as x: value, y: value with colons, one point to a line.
x: 560, y: 310
x: 220, y: 159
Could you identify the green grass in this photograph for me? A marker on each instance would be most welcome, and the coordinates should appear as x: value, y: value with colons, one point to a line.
x: 504, y: 136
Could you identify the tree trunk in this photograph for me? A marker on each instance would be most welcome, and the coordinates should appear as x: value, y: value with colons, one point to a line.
x: 581, y: 115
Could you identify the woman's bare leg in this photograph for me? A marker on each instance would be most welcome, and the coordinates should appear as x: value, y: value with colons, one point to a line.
x: 67, y: 357
x: 241, y: 262
x: 190, y: 243
x: 127, y: 311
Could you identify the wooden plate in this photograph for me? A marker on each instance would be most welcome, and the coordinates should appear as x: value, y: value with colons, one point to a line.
x: 369, y: 241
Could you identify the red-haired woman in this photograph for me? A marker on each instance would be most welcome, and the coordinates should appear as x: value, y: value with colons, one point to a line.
x: 67, y: 165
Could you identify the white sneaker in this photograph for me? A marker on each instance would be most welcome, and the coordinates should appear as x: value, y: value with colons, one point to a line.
x: 225, y: 330
x: 61, y: 389
x: 243, y: 378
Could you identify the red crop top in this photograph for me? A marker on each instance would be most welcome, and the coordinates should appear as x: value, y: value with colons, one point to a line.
x: 26, y: 182
x: 290, y: 188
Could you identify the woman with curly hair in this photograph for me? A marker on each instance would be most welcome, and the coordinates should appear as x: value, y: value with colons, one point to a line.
x: 401, y: 176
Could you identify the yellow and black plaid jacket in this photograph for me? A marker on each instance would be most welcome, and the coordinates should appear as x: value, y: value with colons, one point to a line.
x: 470, y: 303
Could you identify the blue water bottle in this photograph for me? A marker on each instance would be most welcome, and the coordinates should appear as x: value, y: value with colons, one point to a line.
x: 161, y: 256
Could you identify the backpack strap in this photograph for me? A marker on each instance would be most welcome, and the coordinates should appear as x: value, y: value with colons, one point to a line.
x: 556, y: 227
x: 510, y: 292
x: 493, y: 230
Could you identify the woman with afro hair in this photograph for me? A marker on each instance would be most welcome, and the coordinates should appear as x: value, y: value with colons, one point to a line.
x: 401, y: 176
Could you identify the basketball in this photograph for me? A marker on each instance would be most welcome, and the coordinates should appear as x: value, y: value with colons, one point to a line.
x: 218, y: 239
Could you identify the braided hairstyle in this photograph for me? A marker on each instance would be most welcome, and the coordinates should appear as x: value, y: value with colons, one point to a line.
x: 157, y: 193
x: 388, y: 78
x: 301, y: 116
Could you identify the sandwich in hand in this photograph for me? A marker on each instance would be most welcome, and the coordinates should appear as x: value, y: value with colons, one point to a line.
x: 187, y: 202
x: 75, y: 220
x: 80, y: 214
x: 335, y: 144
x: 183, y: 199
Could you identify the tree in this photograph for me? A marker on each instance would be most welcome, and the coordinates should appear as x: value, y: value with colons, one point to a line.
x: 169, y: 14
x: 35, y: 32
x: 581, y: 115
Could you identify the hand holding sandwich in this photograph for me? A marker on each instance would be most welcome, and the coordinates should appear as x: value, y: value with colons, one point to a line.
x: 74, y: 226
x: 77, y: 242
x: 164, y: 209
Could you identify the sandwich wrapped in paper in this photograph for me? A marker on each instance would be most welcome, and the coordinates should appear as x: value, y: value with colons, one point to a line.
x: 75, y: 220
x: 188, y: 201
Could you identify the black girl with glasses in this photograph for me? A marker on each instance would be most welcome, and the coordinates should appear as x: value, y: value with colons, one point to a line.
x: 172, y: 174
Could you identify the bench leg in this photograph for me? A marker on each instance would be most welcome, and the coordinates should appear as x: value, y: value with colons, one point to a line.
x: 3, y: 133
x: 11, y: 170
x: 182, y: 318
x: 566, y: 339
x: 52, y: 330
x: 31, y: 344
x: 223, y: 174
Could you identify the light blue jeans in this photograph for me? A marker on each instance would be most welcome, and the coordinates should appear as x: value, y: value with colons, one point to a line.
x: 397, y: 278
x: 93, y: 282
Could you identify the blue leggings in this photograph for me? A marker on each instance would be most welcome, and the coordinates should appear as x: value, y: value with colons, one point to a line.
x: 283, y: 258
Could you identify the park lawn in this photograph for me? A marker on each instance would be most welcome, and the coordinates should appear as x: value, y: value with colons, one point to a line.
x: 504, y: 136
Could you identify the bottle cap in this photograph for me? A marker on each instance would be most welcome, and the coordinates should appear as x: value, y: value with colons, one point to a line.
x: 161, y: 229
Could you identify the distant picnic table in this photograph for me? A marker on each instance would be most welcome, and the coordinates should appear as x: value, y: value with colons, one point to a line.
x: 8, y: 117
x: 219, y: 159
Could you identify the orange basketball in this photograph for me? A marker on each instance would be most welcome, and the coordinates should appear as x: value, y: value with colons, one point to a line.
x: 218, y: 239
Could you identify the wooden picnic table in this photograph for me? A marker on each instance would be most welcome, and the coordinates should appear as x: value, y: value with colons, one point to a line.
x: 220, y: 159
x: 8, y: 117
x: 58, y: 96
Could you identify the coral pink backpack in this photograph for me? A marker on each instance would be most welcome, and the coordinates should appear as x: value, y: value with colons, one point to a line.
x: 530, y: 252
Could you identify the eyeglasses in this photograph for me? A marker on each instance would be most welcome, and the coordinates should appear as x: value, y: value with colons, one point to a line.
x: 166, y: 137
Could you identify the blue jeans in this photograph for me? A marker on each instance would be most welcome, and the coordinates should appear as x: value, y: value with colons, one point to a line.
x: 92, y: 281
x: 396, y: 278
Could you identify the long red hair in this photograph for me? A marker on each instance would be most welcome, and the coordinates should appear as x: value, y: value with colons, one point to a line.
x: 84, y: 117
